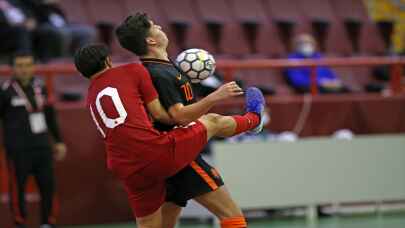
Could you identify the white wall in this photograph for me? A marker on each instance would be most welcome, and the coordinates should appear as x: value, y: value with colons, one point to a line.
x: 313, y: 171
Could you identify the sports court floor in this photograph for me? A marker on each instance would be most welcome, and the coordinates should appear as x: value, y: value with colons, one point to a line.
x: 396, y: 220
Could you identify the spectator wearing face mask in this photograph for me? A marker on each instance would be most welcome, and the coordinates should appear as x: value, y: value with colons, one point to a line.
x: 300, y: 78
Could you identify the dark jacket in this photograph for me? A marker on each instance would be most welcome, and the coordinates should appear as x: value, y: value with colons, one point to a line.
x: 17, y: 118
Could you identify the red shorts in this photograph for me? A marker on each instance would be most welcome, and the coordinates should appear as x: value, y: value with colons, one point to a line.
x: 147, y: 188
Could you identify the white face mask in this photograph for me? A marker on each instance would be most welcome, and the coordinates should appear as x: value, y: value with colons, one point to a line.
x: 307, y: 49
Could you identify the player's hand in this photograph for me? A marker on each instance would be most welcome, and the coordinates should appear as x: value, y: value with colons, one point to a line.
x: 228, y: 90
x: 59, y: 151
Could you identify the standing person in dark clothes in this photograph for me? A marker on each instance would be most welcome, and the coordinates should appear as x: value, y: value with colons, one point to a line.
x: 28, y: 119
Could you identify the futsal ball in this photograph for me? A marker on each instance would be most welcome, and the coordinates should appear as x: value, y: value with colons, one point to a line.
x: 196, y: 63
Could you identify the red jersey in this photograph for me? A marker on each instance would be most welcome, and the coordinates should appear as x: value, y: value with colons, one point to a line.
x: 117, y: 99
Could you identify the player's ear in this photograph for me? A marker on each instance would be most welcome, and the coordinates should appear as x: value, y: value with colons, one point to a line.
x: 150, y: 41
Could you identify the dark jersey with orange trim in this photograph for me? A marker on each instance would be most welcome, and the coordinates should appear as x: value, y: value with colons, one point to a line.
x: 199, y: 177
x: 173, y: 87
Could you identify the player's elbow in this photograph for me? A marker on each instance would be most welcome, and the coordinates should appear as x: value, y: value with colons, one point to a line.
x: 180, y: 115
x: 158, y: 117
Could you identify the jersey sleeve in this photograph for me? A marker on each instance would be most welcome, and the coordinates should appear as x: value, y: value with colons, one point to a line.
x: 167, y: 89
x: 146, y: 89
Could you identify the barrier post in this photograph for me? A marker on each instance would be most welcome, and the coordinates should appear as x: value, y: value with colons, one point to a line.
x: 49, y: 86
x: 395, y: 78
x: 314, y: 86
x: 3, y: 177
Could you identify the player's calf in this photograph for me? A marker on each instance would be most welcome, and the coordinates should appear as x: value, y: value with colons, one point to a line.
x: 153, y: 220
x: 221, y: 204
x: 227, y: 126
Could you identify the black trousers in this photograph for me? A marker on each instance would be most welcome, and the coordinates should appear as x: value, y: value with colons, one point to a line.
x: 39, y: 163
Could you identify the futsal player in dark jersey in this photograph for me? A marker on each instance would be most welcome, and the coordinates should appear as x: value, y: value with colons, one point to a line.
x: 199, y: 180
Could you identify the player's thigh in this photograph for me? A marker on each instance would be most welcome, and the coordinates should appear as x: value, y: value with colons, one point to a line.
x: 170, y: 214
x: 220, y: 203
x: 146, y: 195
x: 189, y: 142
x: 153, y: 220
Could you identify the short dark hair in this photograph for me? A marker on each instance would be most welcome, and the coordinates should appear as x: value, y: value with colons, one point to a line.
x: 18, y: 54
x: 91, y: 58
x: 132, y: 33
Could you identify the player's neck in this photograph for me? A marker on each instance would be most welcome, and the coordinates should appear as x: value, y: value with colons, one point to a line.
x: 157, y: 54
x: 99, y: 73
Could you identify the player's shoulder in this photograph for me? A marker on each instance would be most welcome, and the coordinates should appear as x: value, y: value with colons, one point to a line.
x: 164, y: 73
x: 160, y: 68
x: 131, y: 67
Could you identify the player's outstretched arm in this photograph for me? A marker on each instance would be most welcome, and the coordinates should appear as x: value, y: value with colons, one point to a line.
x: 159, y: 113
x: 184, y: 115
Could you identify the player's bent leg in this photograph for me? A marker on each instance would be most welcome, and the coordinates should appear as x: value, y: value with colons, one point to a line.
x: 227, y: 126
x: 153, y: 220
x: 170, y: 214
x: 221, y: 204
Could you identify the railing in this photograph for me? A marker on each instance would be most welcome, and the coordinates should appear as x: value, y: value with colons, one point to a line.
x: 230, y: 66
x: 395, y: 63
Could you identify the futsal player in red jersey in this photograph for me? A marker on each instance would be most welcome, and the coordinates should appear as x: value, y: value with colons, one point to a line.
x: 198, y: 181
x: 120, y: 99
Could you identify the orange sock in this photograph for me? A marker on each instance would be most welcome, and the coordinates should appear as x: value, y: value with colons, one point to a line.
x: 235, y: 222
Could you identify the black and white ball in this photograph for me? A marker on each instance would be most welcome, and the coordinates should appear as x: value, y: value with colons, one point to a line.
x: 197, y: 64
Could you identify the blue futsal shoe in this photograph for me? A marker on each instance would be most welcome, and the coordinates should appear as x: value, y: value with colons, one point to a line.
x: 255, y: 103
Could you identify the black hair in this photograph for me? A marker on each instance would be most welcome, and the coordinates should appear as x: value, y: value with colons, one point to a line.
x: 132, y: 33
x: 91, y: 59
x: 18, y: 54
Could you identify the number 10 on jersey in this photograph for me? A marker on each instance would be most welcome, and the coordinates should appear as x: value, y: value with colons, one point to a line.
x: 188, y: 92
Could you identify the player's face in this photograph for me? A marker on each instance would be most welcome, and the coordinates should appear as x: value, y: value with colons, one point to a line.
x: 158, y: 37
x: 24, y: 67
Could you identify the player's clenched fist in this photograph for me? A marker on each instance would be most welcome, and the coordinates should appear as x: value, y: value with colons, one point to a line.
x: 228, y: 90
